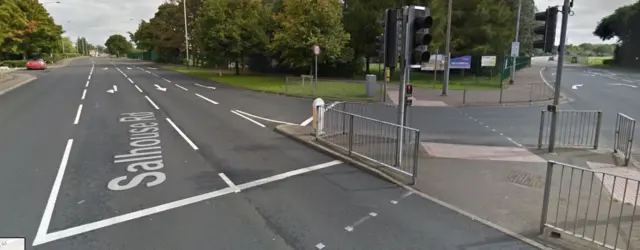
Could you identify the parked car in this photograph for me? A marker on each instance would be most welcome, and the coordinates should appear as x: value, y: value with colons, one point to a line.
x: 36, y: 64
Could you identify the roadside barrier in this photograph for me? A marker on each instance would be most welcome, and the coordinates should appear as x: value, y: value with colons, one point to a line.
x: 574, y: 128
x: 623, y: 137
x: 390, y: 145
x: 594, y: 206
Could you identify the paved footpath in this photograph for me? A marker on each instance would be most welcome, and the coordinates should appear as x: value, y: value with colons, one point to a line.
x: 528, y: 87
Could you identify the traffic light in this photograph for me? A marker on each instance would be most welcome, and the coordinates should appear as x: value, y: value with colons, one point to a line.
x: 419, y: 35
x: 380, y: 46
x: 391, y: 37
x: 408, y: 94
x: 547, y: 30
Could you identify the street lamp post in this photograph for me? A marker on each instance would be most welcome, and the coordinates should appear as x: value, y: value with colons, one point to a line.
x: 186, y: 36
x: 513, y: 68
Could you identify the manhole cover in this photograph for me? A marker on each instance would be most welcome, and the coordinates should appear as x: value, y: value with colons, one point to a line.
x: 525, y: 179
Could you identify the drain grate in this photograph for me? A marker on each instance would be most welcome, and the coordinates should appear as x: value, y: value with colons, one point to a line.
x: 525, y: 179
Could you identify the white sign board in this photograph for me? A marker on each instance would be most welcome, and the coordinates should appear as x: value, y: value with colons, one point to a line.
x: 515, y: 48
x: 316, y: 50
x: 488, y: 61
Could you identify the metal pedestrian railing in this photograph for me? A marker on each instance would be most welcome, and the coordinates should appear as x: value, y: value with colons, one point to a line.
x: 574, y: 128
x: 390, y: 145
x: 623, y: 137
x: 598, y: 207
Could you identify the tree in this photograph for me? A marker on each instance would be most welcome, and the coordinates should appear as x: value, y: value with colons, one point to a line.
x: 362, y: 21
x: 234, y: 29
x: 622, y: 24
x: 27, y: 28
x: 303, y: 23
x: 118, y: 45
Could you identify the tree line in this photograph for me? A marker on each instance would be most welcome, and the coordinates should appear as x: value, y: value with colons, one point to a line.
x: 27, y: 30
x: 622, y: 24
x: 277, y: 35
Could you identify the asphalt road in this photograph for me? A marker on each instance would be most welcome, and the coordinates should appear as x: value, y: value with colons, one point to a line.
x: 112, y: 154
x: 609, y: 90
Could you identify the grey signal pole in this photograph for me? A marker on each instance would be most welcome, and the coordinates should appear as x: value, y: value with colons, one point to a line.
x: 556, y: 93
x: 447, y: 52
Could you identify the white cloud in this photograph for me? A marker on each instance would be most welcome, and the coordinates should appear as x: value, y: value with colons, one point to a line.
x: 587, y: 14
x: 98, y: 19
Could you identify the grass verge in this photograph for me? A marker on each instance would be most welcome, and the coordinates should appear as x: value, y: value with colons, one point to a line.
x: 342, y: 90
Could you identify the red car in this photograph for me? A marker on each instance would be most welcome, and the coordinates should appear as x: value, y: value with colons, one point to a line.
x: 36, y: 64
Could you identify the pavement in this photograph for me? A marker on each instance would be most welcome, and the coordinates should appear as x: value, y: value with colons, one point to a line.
x: 529, y: 88
x: 115, y: 154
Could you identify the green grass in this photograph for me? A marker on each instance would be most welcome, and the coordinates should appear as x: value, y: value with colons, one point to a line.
x: 277, y: 84
x: 456, y: 82
x: 591, y: 60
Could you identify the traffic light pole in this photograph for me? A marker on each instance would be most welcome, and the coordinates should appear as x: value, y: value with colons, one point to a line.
x: 407, y: 15
x: 556, y: 93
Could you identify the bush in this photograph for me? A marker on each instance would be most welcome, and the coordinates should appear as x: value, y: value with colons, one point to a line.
x: 14, y: 63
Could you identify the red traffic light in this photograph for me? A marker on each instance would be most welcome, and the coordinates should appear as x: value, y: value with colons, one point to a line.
x: 409, y: 89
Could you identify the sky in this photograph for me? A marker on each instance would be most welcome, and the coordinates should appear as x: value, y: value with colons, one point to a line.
x: 98, y: 19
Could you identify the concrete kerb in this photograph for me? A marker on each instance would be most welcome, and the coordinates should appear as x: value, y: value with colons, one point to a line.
x: 282, y: 129
x: 27, y: 80
x: 563, y: 98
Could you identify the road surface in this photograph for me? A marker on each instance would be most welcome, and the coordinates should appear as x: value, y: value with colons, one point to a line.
x: 116, y: 154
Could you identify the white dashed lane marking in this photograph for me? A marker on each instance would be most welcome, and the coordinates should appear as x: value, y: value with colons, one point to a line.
x: 492, y: 129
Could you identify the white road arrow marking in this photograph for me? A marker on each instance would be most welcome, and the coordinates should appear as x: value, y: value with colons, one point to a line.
x: 110, y: 91
x: 160, y: 88
x: 151, y: 68
x: 128, y: 68
x: 575, y: 86
x: 208, y: 87
x: 105, y: 68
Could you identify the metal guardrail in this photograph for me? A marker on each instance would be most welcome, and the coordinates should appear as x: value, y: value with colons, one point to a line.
x: 373, y: 140
x: 594, y: 206
x: 623, y: 137
x: 574, y: 128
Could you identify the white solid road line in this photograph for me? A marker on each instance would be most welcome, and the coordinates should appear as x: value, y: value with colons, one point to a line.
x: 209, y: 87
x: 78, y: 115
x: 42, y: 237
x: 84, y: 93
x: 193, y: 145
x: 251, y: 120
x: 139, y: 90
x: 306, y: 122
x: 152, y: 103
x: 229, y: 182
x: 209, y: 100
x: 185, y: 89
x: 53, y: 196
x: 262, y: 118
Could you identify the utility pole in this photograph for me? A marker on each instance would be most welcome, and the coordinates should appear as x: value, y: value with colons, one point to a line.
x: 447, y: 52
x: 186, y: 36
x: 556, y: 93
x: 513, y: 68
